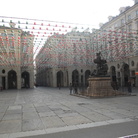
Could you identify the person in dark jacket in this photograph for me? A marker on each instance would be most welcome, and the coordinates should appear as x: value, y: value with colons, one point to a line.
x: 75, y: 88
x: 70, y: 88
x: 129, y: 86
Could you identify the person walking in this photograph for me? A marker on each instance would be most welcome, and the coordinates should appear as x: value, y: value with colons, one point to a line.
x: 1, y: 88
x: 129, y: 86
x: 59, y: 86
x: 70, y: 88
x: 75, y: 88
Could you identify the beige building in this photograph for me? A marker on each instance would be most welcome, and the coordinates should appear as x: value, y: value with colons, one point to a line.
x: 16, y: 56
x: 118, y: 42
x: 69, y: 58
x: 64, y: 59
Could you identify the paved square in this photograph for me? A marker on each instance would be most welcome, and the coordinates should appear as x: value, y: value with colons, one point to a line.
x: 42, y: 109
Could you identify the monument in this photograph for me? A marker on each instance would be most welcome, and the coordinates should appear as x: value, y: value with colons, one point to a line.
x: 102, y: 67
x: 100, y: 82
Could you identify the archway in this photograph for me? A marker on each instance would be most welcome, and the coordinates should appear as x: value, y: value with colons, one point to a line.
x: 12, y: 80
x: 87, y: 74
x: 3, y: 79
x: 60, y: 79
x: 75, y: 77
x: 25, y: 80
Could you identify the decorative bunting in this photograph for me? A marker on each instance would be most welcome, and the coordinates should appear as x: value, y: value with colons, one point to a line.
x: 48, y: 40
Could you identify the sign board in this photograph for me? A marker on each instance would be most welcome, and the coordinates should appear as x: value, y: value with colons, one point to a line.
x: 136, y: 73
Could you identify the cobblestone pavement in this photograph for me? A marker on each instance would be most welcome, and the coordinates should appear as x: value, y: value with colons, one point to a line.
x: 46, y: 110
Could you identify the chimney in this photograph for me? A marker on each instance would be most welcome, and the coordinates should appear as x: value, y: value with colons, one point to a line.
x: 122, y: 9
x: 110, y: 18
x: 100, y: 24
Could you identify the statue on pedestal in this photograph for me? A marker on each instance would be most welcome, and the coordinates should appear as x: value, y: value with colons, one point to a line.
x: 102, y: 68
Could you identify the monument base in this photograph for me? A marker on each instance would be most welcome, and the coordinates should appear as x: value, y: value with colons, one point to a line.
x: 100, y: 87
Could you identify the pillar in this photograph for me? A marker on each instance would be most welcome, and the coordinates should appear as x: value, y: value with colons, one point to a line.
x: 18, y: 80
x: 70, y: 76
x: 53, y: 78
x: 6, y: 82
x: 31, y: 80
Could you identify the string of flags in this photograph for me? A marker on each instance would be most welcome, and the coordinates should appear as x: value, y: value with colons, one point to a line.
x: 43, y: 41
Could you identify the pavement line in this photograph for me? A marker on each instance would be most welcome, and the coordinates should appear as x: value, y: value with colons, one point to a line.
x: 65, y: 128
x: 130, y: 136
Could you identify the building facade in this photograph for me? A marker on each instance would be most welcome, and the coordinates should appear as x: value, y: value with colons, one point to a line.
x: 69, y: 58
x: 16, y: 56
x: 64, y: 59
x: 118, y: 41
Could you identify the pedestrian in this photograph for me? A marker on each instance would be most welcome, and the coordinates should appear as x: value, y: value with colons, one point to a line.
x: 133, y: 82
x: 129, y: 86
x: 59, y: 86
x: 75, y: 88
x: 70, y: 87
x: 1, y: 88
x: 113, y: 84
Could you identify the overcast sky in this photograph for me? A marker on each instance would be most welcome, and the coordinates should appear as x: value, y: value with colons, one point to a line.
x: 90, y: 12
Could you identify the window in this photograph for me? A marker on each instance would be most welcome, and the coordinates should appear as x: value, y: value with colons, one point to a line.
x: 122, y: 30
x: 116, y: 25
x: 24, y: 49
x: 129, y: 28
x: 133, y: 73
x: 137, y: 26
x: 129, y: 17
x: 118, y: 66
x: 74, y: 47
x: 11, y: 44
x: 3, y: 34
x: 118, y: 74
x: 3, y: 71
x: 132, y: 63
x: 122, y: 21
x: 10, y: 35
x: 137, y: 13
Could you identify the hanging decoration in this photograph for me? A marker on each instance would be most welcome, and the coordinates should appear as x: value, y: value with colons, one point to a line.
x: 43, y: 42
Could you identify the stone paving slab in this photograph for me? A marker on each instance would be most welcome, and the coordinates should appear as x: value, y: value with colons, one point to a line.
x: 52, y: 121
x: 96, y: 117
x: 50, y: 109
x: 74, y: 120
x: 1, y: 116
x: 15, y: 107
x: 12, y: 117
x: 10, y: 126
x: 42, y: 109
x: 30, y: 115
x: 3, y: 109
x: 46, y: 114
x: 32, y: 124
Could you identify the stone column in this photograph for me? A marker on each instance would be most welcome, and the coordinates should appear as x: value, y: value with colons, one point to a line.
x: 65, y: 78
x: 18, y: 80
x: 70, y: 76
x: 6, y: 82
x: 136, y: 80
x: 1, y: 79
x: 53, y: 78
x: 31, y: 80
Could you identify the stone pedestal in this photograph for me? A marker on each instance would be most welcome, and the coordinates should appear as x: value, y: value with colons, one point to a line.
x: 100, y: 87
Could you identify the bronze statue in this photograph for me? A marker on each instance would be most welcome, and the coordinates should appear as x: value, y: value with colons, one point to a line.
x: 102, y: 67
